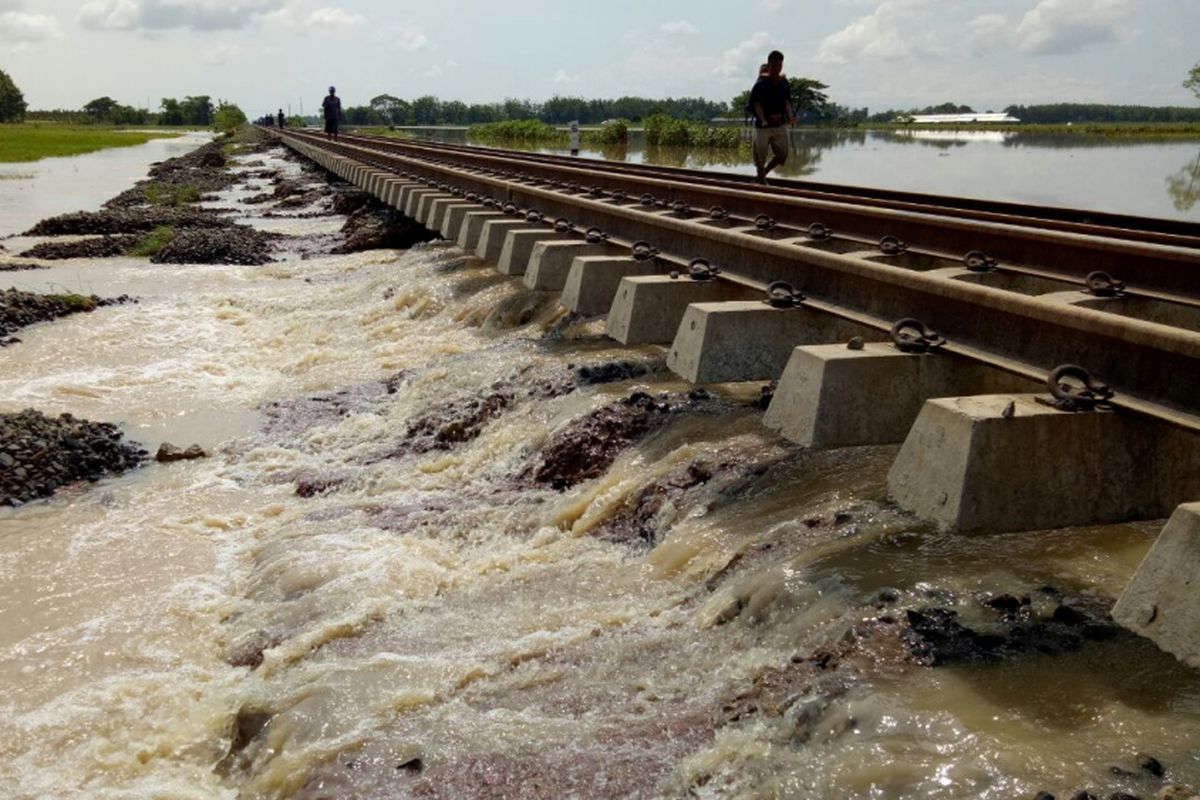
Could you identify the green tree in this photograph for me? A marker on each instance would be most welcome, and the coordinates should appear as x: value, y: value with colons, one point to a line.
x: 100, y: 109
x: 170, y: 113
x: 197, y: 110
x: 389, y: 108
x: 1193, y: 80
x: 12, y: 102
x: 227, y: 116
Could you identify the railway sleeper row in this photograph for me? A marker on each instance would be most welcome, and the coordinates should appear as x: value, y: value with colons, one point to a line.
x: 981, y: 448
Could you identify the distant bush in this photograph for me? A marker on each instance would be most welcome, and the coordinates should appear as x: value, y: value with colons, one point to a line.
x: 664, y: 131
x: 518, y: 130
x: 614, y: 132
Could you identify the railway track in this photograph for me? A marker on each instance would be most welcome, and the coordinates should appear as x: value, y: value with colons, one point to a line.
x: 1018, y: 288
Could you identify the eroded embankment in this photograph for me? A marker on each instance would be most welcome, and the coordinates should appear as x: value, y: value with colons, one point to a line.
x: 472, y: 548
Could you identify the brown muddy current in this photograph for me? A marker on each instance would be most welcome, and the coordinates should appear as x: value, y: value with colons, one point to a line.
x: 453, y: 544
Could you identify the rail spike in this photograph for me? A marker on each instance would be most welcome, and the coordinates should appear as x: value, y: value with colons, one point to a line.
x: 594, y: 235
x: 781, y: 294
x: 891, y: 246
x: 716, y: 212
x: 1101, y: 284
x: 563, y: 225
x: 1072, y: 388
x: 819, y: 232
x: 910, y: 335
x: 763, y: 222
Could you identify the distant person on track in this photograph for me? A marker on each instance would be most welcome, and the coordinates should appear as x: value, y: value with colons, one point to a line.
x: 771, y: 99
x: 331, y: 107
x: 279, y: 116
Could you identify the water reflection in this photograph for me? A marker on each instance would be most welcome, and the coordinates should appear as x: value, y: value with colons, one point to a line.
x: 1119, y: 175
x: 1184, y: 186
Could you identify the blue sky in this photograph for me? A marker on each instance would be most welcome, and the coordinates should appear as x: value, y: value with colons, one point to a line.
x: 876, y: 53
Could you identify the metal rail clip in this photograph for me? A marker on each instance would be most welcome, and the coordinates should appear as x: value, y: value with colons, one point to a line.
x: 1101, y: 284
x: 891, y: 246
x: 1074, y: 389
x: 642, y: 251
x: 819, y: 232
x: 781, y: 294
x: 913, y: 336
x: 979, y: 261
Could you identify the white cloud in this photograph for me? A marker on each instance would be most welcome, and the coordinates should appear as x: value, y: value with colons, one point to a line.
x: 18, y: 28
x: 770, y: 5
x: 330, y: 19
x: 437, y: 70
x: 219, y: 54
x: 879, y: 35
x: 680, y: 26
x: 989, y: 31
x: 159, y: 15
x: 742, y: 60
x: 562, y: 76
x: 1067, y: 26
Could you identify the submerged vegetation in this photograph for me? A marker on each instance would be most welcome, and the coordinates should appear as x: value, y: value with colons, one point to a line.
x: 533, y: 131
x: 32, y: 141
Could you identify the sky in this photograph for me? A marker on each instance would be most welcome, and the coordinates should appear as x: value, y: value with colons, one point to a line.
x: 263, y: 54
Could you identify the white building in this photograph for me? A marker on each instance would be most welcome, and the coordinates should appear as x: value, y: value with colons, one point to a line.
x: 961, y: 119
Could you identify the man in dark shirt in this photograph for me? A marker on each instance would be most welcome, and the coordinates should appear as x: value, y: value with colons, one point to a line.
x: 280, y: 117
x: 331, y: 107
x: 771, y: 99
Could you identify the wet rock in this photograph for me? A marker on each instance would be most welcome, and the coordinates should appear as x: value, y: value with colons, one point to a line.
x: 1005, y: 603
x: 886, y: 597
x: 1150, y: 764
x: 376, y: 226
x: 247, y: 726
x: 1123, y: 796
x: 42, y: 454
x: 1083, y: 794
x: 412, y: 765
x: 586, y: 447
x: 180, y: 180
x: 609, y: 372
x: 233, y: 245
x: 347, y: 200
x: 91, y: 247
x: 313, y: 486
x: 1043, y: 796
x: 168, y: 452
x: 19, y: 309
x: 1175, y: 792
x: 936, y: 636
x: 17, y: 266
x: 767, y: 395
x: 127, y: 221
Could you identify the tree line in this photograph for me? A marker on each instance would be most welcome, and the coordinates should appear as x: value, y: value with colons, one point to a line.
x: 387, y: 109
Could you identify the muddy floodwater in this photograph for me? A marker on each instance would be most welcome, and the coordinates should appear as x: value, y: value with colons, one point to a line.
x: 1152, y: 178
x: 451, y: 543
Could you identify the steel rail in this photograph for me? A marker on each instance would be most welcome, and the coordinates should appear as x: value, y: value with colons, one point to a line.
x: 1180, y: 233
x: 1159, y: 271
x: 1154, y: 368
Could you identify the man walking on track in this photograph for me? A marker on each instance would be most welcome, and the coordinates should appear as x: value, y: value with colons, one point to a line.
x: 771, y: 99
x: 331, y: 107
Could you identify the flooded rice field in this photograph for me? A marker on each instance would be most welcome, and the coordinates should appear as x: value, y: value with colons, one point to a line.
x: 450, y: 542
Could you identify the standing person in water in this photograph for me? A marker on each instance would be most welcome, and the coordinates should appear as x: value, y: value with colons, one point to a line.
x: 280, y: 117
x: 331, y: 107
x: 771, y: 99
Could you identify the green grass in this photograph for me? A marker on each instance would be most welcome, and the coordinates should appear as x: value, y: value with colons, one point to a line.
x: 33, y: 140
x: 76, y: 302
x: 156, y: 240
x: 159, y: 195
x: 517, y: 130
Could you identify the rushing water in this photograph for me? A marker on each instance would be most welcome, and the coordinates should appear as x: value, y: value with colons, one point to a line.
x: 1152, y: 178
x: 439, y: 623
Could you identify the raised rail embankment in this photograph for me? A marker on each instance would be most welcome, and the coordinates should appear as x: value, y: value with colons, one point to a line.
x: 1038, y: 370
